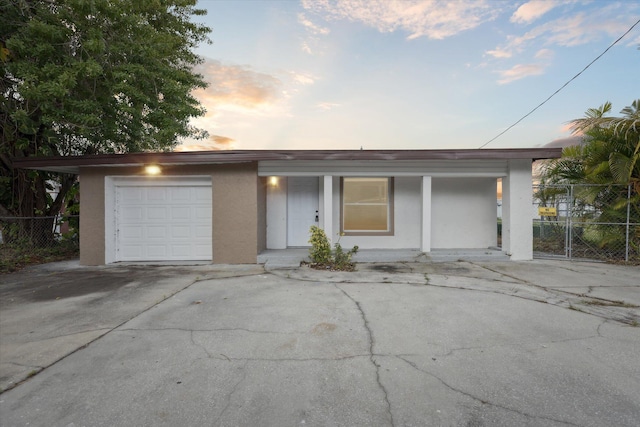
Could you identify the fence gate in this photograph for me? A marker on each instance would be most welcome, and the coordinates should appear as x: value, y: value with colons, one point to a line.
x: 599, y: 222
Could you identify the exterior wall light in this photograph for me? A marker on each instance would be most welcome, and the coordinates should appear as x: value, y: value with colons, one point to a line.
x: 273, y: 181
x: 152, y: 170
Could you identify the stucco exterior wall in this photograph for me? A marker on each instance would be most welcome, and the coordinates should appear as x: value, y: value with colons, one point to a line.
x: 463, y: 213
x: 92, y: 216
x: 235, y: 214
x: 236, y: 235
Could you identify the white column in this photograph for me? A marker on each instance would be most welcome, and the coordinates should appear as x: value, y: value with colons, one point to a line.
x: 277, y: 213
x: 326, y: 214
x: 517, y: 199
x: 425, y: 238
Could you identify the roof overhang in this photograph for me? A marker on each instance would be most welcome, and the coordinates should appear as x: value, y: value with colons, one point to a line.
x: 72, y: 164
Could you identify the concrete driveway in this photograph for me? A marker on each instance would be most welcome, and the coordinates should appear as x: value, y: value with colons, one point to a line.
x: 465, y: 343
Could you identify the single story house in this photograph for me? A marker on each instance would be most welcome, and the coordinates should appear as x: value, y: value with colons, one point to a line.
x: 228, y: 206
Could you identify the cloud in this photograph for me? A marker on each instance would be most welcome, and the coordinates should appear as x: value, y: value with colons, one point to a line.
x: 434, y: 19
x: 326, y: 106
x: 520, y: 71
x: 570, y: 31
x: 215, y: 143
x: 532, y: 10
x: 306, y: 48
x: 311, y: 27
x: 303, y: 79
x: 500, y: 53
x: 236, y: 87
x: 544, y: 54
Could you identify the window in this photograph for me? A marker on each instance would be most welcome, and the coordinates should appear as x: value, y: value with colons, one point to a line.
x: 367, y: 206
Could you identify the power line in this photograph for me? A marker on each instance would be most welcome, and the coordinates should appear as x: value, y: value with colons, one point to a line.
x: 562, y: 87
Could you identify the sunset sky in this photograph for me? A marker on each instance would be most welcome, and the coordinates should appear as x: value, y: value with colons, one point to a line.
x: 385, y: 74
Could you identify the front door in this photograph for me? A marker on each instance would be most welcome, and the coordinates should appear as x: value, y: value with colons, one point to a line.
x: 302, y: 209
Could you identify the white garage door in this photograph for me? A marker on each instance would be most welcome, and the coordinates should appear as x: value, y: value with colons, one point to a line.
x: 163, y: 221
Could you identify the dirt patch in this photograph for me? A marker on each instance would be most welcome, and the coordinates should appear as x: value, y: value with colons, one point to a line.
x: 323, y: 328
x: 446, y: 269
x: 387, y: 268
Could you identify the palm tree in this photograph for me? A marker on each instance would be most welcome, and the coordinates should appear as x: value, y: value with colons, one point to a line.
x: 608, y: 157
x: 613, y: 144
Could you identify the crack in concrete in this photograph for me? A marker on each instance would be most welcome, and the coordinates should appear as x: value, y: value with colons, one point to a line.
x: 193, y: 341
x: 293, y: 359
x: 372, y: 357
x: 71, y: 334
x: 599, y: 326
x: 253, y: 331
x: 230, y: 395
x: 107, y: 331
x: 483, y: 401
x: 517, y: 279
x: 567, y: 299
x: 25, y: 366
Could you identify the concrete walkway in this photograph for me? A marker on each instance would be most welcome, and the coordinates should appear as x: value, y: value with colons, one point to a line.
x: 291, y: 258
x: 395, y: 343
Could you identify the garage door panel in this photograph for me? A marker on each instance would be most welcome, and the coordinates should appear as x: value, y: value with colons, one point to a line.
x: 181, y: 251
x: 181, y: 212
x: 181, y: 232
x: 202, y: 193
x: 131, y: 252
x: 178, y: 194
x: 202, y: 212
x: 131, y: 213
x: 202, y: 250
x: 163, y: 222
x: 156, y: 194
x: 131, y: 232
x: 130, y: 193
x: 158, y: 252
x: 156, y: 213
x: 156, y: 232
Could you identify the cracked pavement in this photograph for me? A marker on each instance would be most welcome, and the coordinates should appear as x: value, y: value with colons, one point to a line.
x: 543, y: 343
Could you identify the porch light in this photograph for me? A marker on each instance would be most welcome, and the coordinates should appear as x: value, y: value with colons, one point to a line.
x: 273, y: 181
x: 152, y: 170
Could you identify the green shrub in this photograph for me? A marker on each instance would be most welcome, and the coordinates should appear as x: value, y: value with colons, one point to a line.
x: 320, y: 252
x: 322, y: 256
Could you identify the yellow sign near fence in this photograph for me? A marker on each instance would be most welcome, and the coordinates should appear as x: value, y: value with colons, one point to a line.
x: 546, y: 211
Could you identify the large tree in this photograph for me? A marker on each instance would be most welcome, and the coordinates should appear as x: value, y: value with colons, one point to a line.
x: 87, y: 77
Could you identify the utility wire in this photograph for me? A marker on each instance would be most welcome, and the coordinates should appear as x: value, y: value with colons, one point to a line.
x: 562, y: 87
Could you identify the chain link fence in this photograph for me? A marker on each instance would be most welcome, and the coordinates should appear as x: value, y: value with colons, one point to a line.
x: 41, y: 231
x: 30, y: 240
x: 599, y: 222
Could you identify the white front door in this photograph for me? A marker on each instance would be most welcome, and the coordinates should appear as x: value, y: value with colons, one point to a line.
x: 302, y: 209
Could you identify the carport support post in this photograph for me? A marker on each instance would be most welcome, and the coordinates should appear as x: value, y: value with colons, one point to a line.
x: 326, y: 217
x: 425, y: 237
x: 517, y: 199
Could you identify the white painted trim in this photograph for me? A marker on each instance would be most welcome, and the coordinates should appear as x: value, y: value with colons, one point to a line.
x: 425, y: 241
x: 434, y: 168
x: 110, y: 203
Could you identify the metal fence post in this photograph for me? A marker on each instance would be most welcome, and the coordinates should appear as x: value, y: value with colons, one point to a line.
x: 626, y: 244
x: 570, y: 222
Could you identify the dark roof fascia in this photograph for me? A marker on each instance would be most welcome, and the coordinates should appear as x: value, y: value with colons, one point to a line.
x: 72, y: 164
